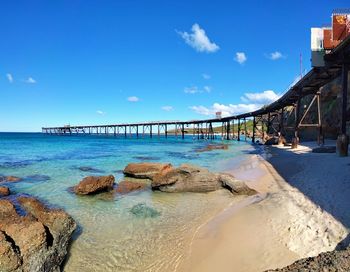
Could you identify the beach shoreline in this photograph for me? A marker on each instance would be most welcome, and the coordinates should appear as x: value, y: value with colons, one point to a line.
x: 282, y: 223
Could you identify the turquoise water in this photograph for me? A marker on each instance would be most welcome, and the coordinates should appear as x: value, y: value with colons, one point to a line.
x: 111, y: 235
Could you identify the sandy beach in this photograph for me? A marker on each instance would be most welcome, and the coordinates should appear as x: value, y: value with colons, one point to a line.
x: 301, y: 210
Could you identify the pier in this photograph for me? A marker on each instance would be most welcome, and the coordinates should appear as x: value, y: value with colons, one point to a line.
x: 271, y: 119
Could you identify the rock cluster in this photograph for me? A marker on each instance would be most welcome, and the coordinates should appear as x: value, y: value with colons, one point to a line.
x: 37, y: 241
x: 186, y: 178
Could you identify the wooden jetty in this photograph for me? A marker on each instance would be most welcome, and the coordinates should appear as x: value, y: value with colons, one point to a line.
x: 271, y: 119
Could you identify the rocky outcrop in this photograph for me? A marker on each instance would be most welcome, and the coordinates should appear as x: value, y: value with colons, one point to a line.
x: 145, y: 170
x: 186, y: 178
x: 93, y: 185
x: 328, y: 261
x: 37, y: 241
x: 211, y: 147
x: 236, y: 186
x: 125, y: 186
x: 4, y: 191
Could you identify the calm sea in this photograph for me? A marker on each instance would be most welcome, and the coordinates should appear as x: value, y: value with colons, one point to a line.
x: 141, y: 231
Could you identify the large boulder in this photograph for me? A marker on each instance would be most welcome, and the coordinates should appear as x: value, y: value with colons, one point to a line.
x: 4, y: 191
x: 125, y: 186
x: 236, y: 186
x: 37, y: 241
x: 186, y: 178
x: 145, y: 170
x: 93, y: 185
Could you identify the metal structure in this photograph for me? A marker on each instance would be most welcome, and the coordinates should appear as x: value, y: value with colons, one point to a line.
x: 270, y: 119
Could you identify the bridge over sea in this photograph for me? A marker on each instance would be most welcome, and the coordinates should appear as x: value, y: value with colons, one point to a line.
x: 271, y: 119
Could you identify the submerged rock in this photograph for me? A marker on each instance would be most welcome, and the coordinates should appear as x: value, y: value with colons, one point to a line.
x: 211, y: 147
x: 9, y: 179
x: 143, y: 211
x: 326, y: 261
x: 235, y: 186
x: 4, y: 191
x: 126, y: 186
x: 186, y: 178
x: 93, y: 185
x: 37, y: 241
x: 145, y: 170
x: 89, y: 169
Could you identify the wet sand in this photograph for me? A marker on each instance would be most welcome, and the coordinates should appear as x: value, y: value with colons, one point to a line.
x: 287, y: 221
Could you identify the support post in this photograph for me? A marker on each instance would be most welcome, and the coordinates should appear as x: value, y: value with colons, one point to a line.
x: 166, y: 131
x: 239, y: 130
x: 245, y: 129
x: 150, y: 131
x: 137, y: 131
x: 183, y: 131
x: 343, y: 138
x: 320, y: 138
x: 125, y: 131
x: 228, y: 130
x: 295, y: 140
x: 254, y: 124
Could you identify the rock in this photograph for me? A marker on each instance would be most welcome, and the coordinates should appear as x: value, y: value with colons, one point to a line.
x: 4, y: 191
x: 324, y: 149
x: 89, y: 169
x: 10, y: 258
x: 326, y: 261
x: 126, y: 186
x: 93, y: 185
x: 235, y: 186
x: 186, y: 178
x: 9, y: 179
x: 145, y: 170
x: 37, y: 241
x: 211, y: 147
x: 143, y: 211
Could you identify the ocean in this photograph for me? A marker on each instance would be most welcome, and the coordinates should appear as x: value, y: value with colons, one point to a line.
x: 113, y: 234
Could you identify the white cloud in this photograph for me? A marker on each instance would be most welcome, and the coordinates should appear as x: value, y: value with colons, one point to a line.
x: 199, y: 40
x: 240, y: 57
x: 226, y: 110
x: 276, y: 55
x: 195, y: 89
x: 207, y: 89
x: 206, y: 76
x: 252, y: 102
x: 191, y: 90
x: 266, y: 97
x: 100, y: 112
x: 133, y: 99
x: 9, y: 77
x: 167, y: 108
x: 30, y: 80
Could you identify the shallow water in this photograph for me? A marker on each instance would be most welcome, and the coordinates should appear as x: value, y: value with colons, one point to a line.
x: 111, y: 235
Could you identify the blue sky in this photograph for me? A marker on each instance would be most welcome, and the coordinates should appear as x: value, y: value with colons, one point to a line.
x: 96, y: 62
